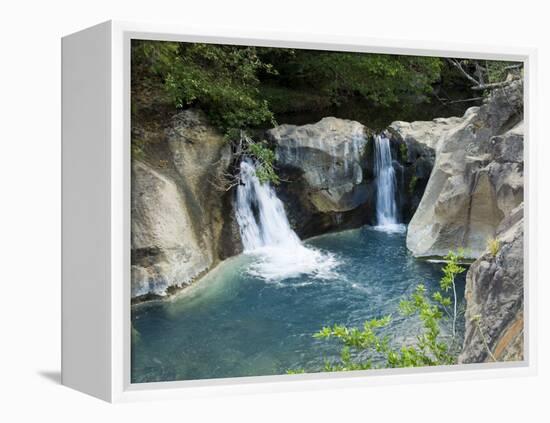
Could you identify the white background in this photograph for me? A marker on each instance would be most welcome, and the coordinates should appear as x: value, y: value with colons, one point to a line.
x: 30, y: 207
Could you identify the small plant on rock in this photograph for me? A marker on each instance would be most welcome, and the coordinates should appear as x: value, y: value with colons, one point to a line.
x: 412, y: 184
x: 493, y: 245
x: 404, y: 151
x: 450, y: 272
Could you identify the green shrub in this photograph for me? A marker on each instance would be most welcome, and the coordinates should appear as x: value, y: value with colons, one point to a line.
x: 382, y: 79
x: 222, y: 80
x: 265, y: 159
x: 493, y: 245
x: 240, y: 87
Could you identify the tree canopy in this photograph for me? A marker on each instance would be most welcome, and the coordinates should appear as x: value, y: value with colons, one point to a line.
x: 240, y: 87
x: 243, y: 88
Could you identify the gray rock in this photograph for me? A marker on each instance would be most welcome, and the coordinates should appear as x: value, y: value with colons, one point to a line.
x: 329, y: 153
x: 413, y: 163
x: 477, y: 176
x: 180, y: 227
x: 327, y: 172
x: 165, y: 250
x: 428, y: 133
x: 494, y: 295
x: 324, y: 172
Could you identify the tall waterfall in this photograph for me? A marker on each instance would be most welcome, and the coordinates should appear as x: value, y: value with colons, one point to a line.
x: 266, y: 233
x: 386, y: 208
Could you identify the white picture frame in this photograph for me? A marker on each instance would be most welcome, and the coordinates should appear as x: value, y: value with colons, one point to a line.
x: 96, y: 225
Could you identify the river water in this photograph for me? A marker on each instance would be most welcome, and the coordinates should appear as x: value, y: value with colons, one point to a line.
x: 237, y: 321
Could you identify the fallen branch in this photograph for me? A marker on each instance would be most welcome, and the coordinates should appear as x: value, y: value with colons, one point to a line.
x: 512, y: 67
x: 465, y: 100
x: 479, y: 84
x: 457, y: 65
x: 494, y: 85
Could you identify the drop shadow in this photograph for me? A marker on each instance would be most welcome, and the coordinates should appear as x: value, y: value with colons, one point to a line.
x: 53, y: 376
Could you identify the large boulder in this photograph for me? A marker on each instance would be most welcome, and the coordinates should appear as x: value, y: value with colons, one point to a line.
x: 494, y: 295
x: 428, y: 133
x: 324, y: 173
x: 477, y: 177
x: 165, y: 249
x: 201, y: 157
x: 179, y: 227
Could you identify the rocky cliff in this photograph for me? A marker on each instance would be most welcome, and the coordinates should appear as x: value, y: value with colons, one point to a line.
x: 474, y: 200
x: 477, y: 177
x: 494, y: 295
x: 180, y: 224
x: 327, y: 173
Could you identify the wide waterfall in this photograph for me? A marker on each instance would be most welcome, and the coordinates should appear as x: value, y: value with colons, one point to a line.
x: 266, y: 233
x: 386, y: 207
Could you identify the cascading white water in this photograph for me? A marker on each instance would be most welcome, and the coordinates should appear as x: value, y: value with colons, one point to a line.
x: 386, y: 208
x: 266, y: 233
x: 260, y: 214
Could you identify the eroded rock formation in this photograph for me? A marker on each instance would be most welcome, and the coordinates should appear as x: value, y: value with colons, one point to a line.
x: 477, y: 178
x: 181, y: 226
x: 474, y: 200
x: 494, y: 295
x: 323, y: 171
x: 327, y: 173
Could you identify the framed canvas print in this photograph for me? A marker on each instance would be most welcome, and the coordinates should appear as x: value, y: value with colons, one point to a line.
x: 248, y: 212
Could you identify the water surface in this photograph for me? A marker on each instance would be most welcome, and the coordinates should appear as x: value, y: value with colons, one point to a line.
x: 234, y: 322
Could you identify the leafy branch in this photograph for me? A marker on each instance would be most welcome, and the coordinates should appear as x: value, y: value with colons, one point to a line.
x: 362, y: 346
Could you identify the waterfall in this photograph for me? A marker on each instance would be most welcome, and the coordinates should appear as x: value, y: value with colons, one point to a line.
x: 267, y: 236
x: 386, y: 207
x: 260, y: 214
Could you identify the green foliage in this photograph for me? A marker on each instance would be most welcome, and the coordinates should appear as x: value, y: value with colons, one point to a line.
x: 493, y: 245
x: 222, y: 80
x: 497, y: 71
x: 295, y: 371
x: 403, y: 151
x: 283, y: 99
x: 264, y: 158
x: 412, y: 183
x: 382, y: 79
x: 362, y: 346
x: 241, y: 87
x: 483, y: 72
x: 450, y: 272
x: 451, y: 269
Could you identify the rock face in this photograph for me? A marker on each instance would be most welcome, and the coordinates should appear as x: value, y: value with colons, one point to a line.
x: 324, y: 172
x: 179, y: 230
x: 413, y: 164
x: 328, y: 178
x: 165, y: 249
x: 474, y: 195
x: 494, y: 295
x: 477, y: 177
x: 430, y: 132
